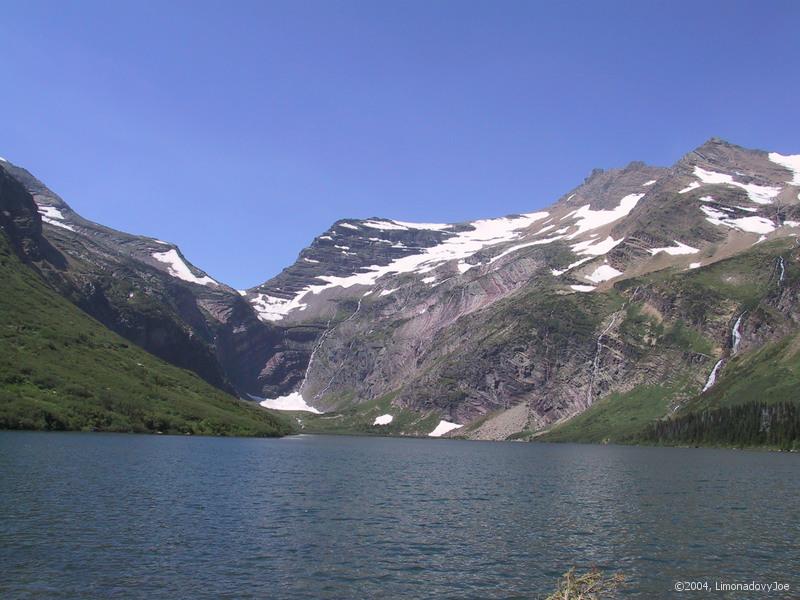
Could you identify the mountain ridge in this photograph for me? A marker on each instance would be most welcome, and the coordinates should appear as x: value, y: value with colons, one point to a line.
x: 425, y: 312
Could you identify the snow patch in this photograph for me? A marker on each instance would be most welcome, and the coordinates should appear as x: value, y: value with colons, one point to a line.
x: 387, y: 292
x: 692, y: 186
x: 310, y: 260
x: 293, y: 401
x: 508, y: 251
x: 53, y: 216
x: 791, y: 223
x: 583, y: 288
x: 748, y: 224
x: 571, y: 266
x: 50, y: 212
x: 428, y: 279
x: 430, y: 226
x: 647, y: 183
x: 589, y: 219
x: 791, y: 162
x: 177, y: 268
x: 603, y: 273
x: 272, y: 308
x: 464, y: 266
x: 760, y: 194
x: 694, y: 265
x: 680, y: 248
x: 443, y: 427
x: 596, y: 248
x: 383, y: 420
x: 391, y: 224
x: 348, y: 226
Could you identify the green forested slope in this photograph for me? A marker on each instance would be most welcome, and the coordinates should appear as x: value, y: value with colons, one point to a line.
x: 62, y: 370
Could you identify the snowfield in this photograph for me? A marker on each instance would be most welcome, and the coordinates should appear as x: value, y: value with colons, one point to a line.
x: 383, y: 420
x: 571, y: 266
x: 177, y: 268
x: 443, y: 427
x: 293, y: 401
x: 791, y: 162
x: 53, y: 216
x: 760, y: 194
x: 589, y: 219
x: 461, y: 245
x: 596, y: 248
x: 603, y: 273
x: 676, y: 250
x: 748, y: 224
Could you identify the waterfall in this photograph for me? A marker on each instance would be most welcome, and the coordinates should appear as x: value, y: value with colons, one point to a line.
x: 783, y: 269
x: 322, y: 339
x: 736, y: 335
x: 596, y: 361
x: 328, y: 331
x: 317, y: 346
x: 712, y: 378
x: 599, y: 346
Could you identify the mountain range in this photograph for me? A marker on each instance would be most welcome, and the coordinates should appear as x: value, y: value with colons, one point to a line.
x: 647, y: 303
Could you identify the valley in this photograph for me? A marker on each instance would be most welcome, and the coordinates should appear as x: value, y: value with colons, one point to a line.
x: 643, y: 296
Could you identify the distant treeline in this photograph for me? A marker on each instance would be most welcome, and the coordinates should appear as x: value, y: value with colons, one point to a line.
x: 749, y: 424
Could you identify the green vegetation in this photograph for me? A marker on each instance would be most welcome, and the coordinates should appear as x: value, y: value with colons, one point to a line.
x: 62, y: 370
x: 359, y: 419
x: 770, y: 374
x: 617, y: 417
x: 686, y: 338
x: 753, y: 424
x: 755, y: 400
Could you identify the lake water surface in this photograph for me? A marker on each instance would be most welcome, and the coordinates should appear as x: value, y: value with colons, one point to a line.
x: 103, y: 515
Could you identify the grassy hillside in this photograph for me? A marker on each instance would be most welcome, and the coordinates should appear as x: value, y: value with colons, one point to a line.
x: 617, y: 417
x: 360, y: 419
x: 755, y: 400
x: 62, y: 370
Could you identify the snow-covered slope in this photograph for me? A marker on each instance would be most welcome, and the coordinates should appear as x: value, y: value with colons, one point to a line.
x: 380, y: 291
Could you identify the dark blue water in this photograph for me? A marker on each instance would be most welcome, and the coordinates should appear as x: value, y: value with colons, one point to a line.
x: 96, y: 515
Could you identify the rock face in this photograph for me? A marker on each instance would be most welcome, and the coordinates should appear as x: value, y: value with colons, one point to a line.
x: 142, y: 288
x: 508, y: 323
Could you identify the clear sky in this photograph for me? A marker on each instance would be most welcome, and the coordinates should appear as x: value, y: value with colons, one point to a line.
x: 240, y: 130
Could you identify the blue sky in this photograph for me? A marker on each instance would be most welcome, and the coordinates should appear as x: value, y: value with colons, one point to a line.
x: 240, y: 130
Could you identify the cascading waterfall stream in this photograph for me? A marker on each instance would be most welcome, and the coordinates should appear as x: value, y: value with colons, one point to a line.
x: 736, y: 338
x: 295, y: 400
x: 596, y: 361
x: 736, y: 335
x: 335, y: 373
x: 712, y: 378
